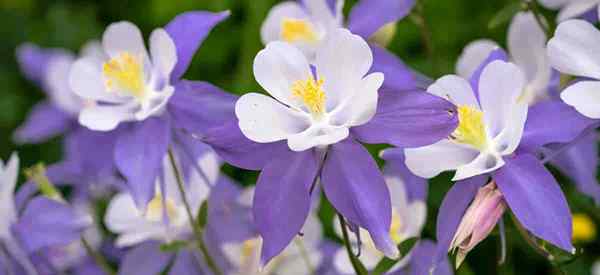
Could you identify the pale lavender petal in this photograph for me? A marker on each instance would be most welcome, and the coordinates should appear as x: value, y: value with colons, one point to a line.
x: 536, y: 199
x: 187, y: 263
x: 398, y: 77
x: 145, y: 259
x: 44, y: 122
x: 368, y: 16
x: 423, y: 261
x: 188, y: 31
x: 89, y: 153
x: 566, y: 122
x: 282, y: 200
x: 416, y: 187
x: 33, y: 61
x: 409, y: 119
x: 498, y: 54
x: 139, y: 153
x: 88, y: 267
x: 356, y: 188
x: 46, y: 222
x: 452, y: 210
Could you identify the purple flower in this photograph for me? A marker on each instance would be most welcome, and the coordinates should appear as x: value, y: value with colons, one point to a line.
x: 570, y: 9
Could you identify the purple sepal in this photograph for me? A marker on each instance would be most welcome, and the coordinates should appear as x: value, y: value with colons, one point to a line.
x: 497, y: 54
x: 536, y: 199
x: 398, y: 76
x: 186, y: 263
x: 422, y: 261
x: 416, y: 187
x: 145, y: 259
x: 33, y: 61
x: 368, y: 16
x: 45, y: 121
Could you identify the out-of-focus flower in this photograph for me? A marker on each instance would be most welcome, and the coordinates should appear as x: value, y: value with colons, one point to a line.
x: 570, y: 9
x: 584, y: 229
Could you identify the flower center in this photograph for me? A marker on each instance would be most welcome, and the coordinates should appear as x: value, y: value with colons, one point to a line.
x: 471, y: 129
x: 125, y: 73
x: 294, y: 30
x: 584, y: 229
x: 395, y: 227
x: 154, y: 211
x: 311, y: 93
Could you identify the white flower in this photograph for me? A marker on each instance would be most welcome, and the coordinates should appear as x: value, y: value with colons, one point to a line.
x: 128, y: 85
x: 303, y: 26
x: 527, y: 48
x: 165, y: 218
x: 570, y: 8
x: 574, y: 50
x: 305, y: 109
x: 488, y: 129
x: 408, y: 219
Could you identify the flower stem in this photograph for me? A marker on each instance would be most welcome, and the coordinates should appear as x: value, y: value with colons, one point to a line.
x: 533, y: 7
x: 356, y: 264
x: 98, y: 258
x: 196, y: 229
x: 419, y: 19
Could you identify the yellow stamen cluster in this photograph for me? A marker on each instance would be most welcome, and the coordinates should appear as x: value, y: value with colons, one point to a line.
x: 125, y: 73
x: 294, y: 30
x: 154, y: 210
x: 395, y: 227
x: 471, y: 129
x: 311, y: 93
x: 584, y: 229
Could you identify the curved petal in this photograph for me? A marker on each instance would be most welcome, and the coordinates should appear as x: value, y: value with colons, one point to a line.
x: 445, y: 155
x: 123, y: 37
x: 44, y: 122
x: 408, y: 119
x: 584, y: 96
x: 87, y: 81
x: 271, y: 27
x: 455, y: 89
x: 105, y: 117
x: 398, y: 76
x: 145, y: 259
x: 572, y: 50
x: 163, y: 51
x: 422, y: 260
x: 139, y: 153
x: 186, y: 263
x: 567, y: 125
x: 282, y: 200
x: 262, y: 119
x: 368, y: 16
x: 500, y: 86
x: 575, y: 8
x: 497, y: 54
x: 509, y: 139
x: 188, y: 30
x: 473, y: 55
x: 317, y: 136
x: 356, y: 188
x: 277, y: 67
x: 553, y: 4
x: 33, y: 60
x: 342, y: 68
x: 482, y: 164
x: 361, y: 108
x: 535, y: 198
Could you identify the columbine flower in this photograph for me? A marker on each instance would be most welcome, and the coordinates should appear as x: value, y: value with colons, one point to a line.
x: 312, y: 114
x: 573, y: 8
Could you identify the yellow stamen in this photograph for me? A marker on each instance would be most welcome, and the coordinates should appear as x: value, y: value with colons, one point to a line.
x: 125, y: 73
x: 294, y: 30
x: 154, y: 210
x: 312, y: 95
x: 584, y: 229
x: 471, y: 129
x: 249, y: 248
x: 395, y: 227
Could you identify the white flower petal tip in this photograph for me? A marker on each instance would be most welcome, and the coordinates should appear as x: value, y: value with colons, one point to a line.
x: 572, y: 50
x: 584, y: 96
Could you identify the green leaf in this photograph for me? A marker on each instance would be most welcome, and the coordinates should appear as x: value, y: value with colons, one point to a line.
x: 505, y: 15
x: 386, y: 263
x: 173, y: 246
x: 202, y: 218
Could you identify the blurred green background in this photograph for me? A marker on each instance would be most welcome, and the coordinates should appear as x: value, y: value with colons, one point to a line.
x: 226, y: 58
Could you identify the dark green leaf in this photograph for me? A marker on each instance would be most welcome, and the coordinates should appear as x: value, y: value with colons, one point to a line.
x: 505, y: 15
x: 202, y: 218
x: 173, y: 246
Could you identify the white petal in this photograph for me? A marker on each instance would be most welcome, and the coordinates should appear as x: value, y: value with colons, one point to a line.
x: 319, y: 10
x: 554, y: 4
x: 414, y: 218
x: 123, y: 37
x: 86, y: 80
x: 277, y: 67
x: 155, y: 103
x: 484, y: 163
x: 271, y: 27
x: 318, y: 135
x: 93, y: 49
x: 8, y: 182
x: 527, y: 47
x: 104, y: 118
x: 585, y: 97
x: 574, y: 49
x: 508, y: 140
x: 575, y: 8
x: 163, y: 51
x: 455, y: 89
x: 121, y: 213
x: 342, y: 263
x: 262, y: 119
x: 473, y: 55
x: 397, y: 192
x: 133, y: 238
x: 57, y: 80
x: 431, y: 160
x: 342, y: 61
x: 313, y: 233
x: 361, y: 107
x: 500, y: 86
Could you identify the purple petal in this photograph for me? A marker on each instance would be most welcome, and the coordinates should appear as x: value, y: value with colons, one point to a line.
x: 452, y: 210
x: 416, y: 187
x: 233, y: 147
x: 368, y: 16
x: 498, y: 54
x: 145, y: 259
x: 199, y: 106
x: 45, y: 121
x: 88, y: 267
x: 33, y: 61
x: 355, y: 187
x: 580, y: 163
x: 25, y: 193
x: 188, y: 31
x: 139, y: 153
x: 409, y: 119
x: 566, y: 122
x: 187, y: 263
x: 282, y: 200
x: 398, y: 77
x: 422, y: 260
x: 46, y: 222
x: 535, y: 198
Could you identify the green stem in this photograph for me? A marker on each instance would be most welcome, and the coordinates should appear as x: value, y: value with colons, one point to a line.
x: 419, y: 19
x: 356, y: 264
x: 197, y: 230
x: 98, y: 258
x: 305, y: 256
x: 533, y: 6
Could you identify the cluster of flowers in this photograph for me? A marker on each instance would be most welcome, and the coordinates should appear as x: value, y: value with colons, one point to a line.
x: 135, y: 128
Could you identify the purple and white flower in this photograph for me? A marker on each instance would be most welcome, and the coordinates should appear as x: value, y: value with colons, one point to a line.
x: 570, y: 9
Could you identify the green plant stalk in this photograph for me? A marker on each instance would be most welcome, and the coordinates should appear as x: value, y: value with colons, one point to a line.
x: 98, y: 258
x: 533, y: 6
x: 353, y: 259
x: 197, y: 231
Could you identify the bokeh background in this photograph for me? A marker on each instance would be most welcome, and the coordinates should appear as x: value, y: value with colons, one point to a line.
x: 226, y: 58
